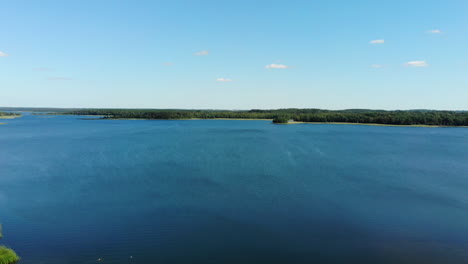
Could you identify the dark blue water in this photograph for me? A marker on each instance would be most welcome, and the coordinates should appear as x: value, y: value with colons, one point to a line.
x: 215, y: 191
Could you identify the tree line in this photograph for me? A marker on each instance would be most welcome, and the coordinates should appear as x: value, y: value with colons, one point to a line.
x: 8, y: 114
x: 410, y: 117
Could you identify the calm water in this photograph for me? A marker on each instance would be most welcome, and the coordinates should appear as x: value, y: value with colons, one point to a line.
x: 214, y: 191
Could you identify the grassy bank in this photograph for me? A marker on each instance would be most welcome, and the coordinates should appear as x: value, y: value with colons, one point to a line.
x: 8, y: 256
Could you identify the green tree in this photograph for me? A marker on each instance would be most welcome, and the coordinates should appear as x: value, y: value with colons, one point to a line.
x: 280, y: 120
x: 7, y: 255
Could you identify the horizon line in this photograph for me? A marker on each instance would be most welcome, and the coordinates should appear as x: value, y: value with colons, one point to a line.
x: 220, y: 109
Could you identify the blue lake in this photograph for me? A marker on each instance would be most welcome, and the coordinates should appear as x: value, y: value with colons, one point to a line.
x: 227, y: 191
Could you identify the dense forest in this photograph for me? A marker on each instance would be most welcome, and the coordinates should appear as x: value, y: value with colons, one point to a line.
x: 410, y: 117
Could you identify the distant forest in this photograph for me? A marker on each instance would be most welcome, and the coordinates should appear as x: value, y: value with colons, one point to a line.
x: 410, y: 117
x: 8, y: 114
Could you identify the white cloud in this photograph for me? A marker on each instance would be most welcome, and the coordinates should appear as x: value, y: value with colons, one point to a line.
x: 435, y: 31
x: 377, y: 41
x: 168, y: 64
x: 3, y: 54
x: 224, y: 80
x: 376, y: 66
x: 417, y: 64
x: 202, y: 53
x: 277, y: 66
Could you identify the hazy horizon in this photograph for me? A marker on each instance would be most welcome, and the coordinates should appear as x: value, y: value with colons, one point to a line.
x: 226, y: 109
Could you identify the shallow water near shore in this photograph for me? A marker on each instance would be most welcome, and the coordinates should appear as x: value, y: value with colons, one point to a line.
x: 232, y: 191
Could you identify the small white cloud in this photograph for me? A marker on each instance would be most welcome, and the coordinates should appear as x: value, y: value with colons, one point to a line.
x: 417, y: 64
x: 376, y: 66
x: 224, y: 80
x: 202, y: 53
x: 435, y: 31
x: 3, y: 54
x: 168, y: 64
x: 377, y: 41
x: 277, y: 66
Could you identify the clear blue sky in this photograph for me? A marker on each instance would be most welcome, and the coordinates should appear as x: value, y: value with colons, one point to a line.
x: 143, y: 54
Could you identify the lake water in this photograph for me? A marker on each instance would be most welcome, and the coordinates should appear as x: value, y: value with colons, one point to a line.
x: 226, y: 191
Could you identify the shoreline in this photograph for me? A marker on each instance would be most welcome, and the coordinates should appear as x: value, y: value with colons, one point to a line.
x: 290, y: 123
x: 367, y: 124
x: 184, y: 119
x: 243, y: 119
x: 10, y: 117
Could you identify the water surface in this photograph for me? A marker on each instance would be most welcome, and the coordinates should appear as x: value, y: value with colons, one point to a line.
x: 227, y: 191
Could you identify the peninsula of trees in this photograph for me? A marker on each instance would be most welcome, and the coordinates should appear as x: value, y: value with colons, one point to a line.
x: 358, y: 116
x: 9, y: 115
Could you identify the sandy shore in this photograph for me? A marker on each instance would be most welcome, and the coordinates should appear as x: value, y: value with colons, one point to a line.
x: 10, y: 117
x: 251, y: 119
x: 364, y: 124
x: 370, y: 124
x: 245, y: 119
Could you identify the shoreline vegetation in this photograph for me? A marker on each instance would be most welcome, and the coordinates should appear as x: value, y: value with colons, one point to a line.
x: 288, y: 123
x: 421, y: 118
x: 9, y: 115
x: 7, y: 255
